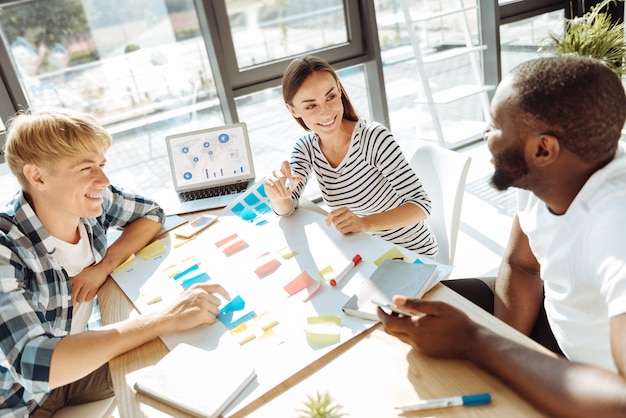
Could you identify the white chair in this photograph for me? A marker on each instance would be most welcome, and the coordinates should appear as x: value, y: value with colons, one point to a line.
x: 443, y: 173
x: 97, y: 409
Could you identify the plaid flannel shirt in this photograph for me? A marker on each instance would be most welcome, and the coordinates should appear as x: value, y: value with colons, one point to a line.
x: 36, y: 295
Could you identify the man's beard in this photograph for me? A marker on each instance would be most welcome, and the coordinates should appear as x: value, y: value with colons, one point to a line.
x: 510, y: 167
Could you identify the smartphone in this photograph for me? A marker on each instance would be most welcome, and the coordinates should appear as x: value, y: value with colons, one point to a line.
x: 195, y: 226
x: 393, y: 308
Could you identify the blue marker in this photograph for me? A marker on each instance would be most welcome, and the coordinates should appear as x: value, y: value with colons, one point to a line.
x: 469, y: 400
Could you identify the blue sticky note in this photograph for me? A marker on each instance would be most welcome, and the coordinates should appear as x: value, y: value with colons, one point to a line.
x: 247, y: 214
x: 228, y: 311
x: 237, y: 209
x: 236, y: 304
x: 200, y: 278
x: 244, y: 318
x: 186, y: 271
x: 251, y: 199
x: 263, y: 208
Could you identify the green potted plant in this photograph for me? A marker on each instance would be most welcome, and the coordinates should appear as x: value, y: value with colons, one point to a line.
x: 593, y: 35
x: 322, y: 405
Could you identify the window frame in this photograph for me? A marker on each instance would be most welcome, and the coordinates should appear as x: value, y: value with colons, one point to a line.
x: 243, y: 80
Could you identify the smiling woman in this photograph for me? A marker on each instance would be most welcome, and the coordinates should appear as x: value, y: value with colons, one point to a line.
x: 362, y: 173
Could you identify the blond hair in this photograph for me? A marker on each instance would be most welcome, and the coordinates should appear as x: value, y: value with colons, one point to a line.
x: 45, y: 136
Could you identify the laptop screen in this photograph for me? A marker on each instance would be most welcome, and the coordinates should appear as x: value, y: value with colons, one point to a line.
x: 210, y: 157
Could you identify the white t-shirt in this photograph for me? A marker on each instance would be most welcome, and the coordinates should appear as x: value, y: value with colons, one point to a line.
x: 74, y: 258
x: 582, y: 254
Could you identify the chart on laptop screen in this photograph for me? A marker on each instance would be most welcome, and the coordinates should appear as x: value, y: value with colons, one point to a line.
x: 207, y: 156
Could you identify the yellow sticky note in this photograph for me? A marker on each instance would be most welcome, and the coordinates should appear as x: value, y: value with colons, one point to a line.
x: 152, y: 250
x: 394, y: 254
x: 326, y: 273
x: 323, y: 330
x: 286, y: 253
x: 178, y: 241
x: 129, y: 261
x: 154, y: 300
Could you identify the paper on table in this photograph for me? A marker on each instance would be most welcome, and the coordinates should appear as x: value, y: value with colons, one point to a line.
x: 195, y: 380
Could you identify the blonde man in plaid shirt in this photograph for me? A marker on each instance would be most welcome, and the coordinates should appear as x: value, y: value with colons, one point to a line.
x: 54, y: 257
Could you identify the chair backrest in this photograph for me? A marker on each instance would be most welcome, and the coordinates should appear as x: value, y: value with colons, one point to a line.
x: 443, y: 173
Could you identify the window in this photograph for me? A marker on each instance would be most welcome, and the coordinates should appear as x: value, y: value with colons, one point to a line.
x: 147, y: 68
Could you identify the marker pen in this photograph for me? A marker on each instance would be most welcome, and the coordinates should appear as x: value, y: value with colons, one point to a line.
x: 469, y: 400
x: 344, y: 272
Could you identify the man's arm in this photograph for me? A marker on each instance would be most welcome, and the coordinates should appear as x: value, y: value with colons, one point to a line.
x: 77, y: 355
x: 134, y: 237
x: 554, y: 384
x: 519, y: 288
x: 557, y: 385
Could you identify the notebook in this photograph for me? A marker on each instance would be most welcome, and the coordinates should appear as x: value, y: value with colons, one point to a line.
x: 210, y: 168
x: 391, y: 278
x: 196, y: 381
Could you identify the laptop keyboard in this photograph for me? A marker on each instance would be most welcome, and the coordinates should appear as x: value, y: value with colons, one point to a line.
x: 213, y: 191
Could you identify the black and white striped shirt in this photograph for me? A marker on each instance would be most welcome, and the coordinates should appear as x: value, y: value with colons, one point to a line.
x: 373, y: 177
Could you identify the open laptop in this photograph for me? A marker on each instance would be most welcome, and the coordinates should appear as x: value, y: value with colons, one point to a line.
x: 210, y: 168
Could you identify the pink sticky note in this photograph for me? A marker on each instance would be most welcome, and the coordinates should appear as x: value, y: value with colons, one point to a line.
x: 226, y: 240
x: 266, y: 264
x: 301, y: 282
x: 234, y: 247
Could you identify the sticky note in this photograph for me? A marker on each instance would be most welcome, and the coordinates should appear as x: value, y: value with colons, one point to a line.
x: 247, y: 214
x: 265, y: 265
x: 237, y: 209
x: 226, y: 240
x: 327, y: 273
x: 129, y: 262
x: 263, y: 208
x: 247, y: 339
x: 232, y: 314
x: 286, y: 253
x: 171, y: 270
x: 152, y: 250
x: 251, y: 199
x: 301, y: 282
x: 200, y: 278
x: 393, y: 253
x: 235, y: 304
x: 234, y: 247
x: 189, y: 269
x: 154, y: 300
x: 323, y: 330
x: 178, y: 241
x: 259, y: 327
